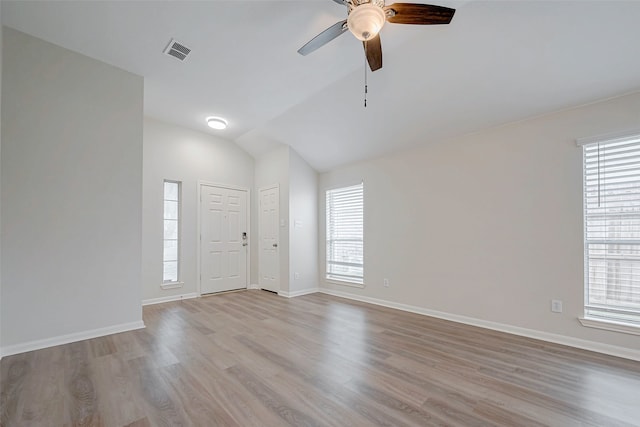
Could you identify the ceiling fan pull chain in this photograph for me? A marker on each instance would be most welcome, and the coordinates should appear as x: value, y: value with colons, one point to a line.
x: 365, y: 80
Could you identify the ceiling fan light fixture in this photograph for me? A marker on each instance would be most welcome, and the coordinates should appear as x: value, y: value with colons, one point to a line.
x: 216, y: 123
x: 366, y: 21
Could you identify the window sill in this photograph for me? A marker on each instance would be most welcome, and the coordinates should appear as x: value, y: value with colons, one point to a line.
x: 172, y: 285
x: 344, y: 283
x: 609, y: 325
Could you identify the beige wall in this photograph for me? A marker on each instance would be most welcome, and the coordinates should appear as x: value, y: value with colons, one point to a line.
x: 487, y: 226
x: 0, y: 178
x: 303, y: 225
x: 71, y: 195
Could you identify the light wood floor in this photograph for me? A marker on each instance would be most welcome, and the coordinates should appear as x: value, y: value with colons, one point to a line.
x: 255, y: 359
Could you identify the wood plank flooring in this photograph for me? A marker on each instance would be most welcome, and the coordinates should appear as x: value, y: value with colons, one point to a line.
x: 255, y: 359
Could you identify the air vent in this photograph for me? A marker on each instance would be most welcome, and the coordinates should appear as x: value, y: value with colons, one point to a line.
x: 177, y: 50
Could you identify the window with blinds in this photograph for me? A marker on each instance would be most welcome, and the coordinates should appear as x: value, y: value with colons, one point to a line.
x: 345, y: 248
x: 612, y: 230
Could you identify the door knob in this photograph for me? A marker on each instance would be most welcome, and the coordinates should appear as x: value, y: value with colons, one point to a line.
x: 275, y: 245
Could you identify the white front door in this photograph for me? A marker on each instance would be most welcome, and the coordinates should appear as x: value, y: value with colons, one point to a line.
x: 223, y: 246
x: 268, y: 229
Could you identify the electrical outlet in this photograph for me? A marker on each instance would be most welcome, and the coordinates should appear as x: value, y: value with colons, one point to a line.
x: 296, y: 275
x: 385, y: 282
x: 556, y: 306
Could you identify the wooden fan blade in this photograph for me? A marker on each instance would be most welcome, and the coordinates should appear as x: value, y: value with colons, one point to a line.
x: 419, y: 14
x: 324, y: 37
x: 373, y: 50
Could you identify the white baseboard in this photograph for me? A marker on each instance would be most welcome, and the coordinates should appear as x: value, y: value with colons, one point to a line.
x: 254, y: 286
x: 169, y: 299
x: 66, y: 339
x: 612, y: 350
x: 299, y: 293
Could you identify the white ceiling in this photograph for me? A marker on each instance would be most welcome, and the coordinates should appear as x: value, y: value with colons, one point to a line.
x: 498, y: 61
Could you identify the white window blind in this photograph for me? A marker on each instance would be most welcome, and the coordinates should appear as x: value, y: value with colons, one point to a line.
x: 171, y: 231
x: 345, y: 248
x: 612, y: 230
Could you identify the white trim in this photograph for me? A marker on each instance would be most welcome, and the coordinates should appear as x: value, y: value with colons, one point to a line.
x: 629, y: 133
x: 269, y: 187
x: 611, y: 350
x: 344, y: 283
x: 254, y: 286
x: 198, y: 235
x: 172, y: 285
x: 609, y: 325
x: 169, y: 299
x: 299, y: 293
x: 349, y: 184
x: 219, y: 185
x: 69, y: 338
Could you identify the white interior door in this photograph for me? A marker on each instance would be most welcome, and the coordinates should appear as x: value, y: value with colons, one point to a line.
x: 223, y: 246
x: 269, y: 260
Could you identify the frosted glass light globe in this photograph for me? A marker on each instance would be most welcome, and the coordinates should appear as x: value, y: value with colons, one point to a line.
x: 366, y: 21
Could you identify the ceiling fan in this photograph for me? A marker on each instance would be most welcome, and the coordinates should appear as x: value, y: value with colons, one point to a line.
x: 366, y: 18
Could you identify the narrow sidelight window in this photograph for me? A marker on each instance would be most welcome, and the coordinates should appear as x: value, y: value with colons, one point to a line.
x: 171, y: 253
x: 345, y: 243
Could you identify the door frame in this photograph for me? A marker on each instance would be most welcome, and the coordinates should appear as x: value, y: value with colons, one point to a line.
x: 202, y: 183
x: 260, y: 190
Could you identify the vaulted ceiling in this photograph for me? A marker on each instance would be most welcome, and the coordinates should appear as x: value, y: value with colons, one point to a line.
x: 498, y: 61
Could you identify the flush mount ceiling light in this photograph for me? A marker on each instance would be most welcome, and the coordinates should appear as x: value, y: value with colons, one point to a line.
x: 216, y: 123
